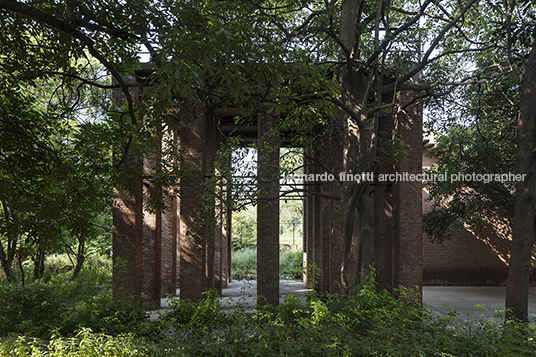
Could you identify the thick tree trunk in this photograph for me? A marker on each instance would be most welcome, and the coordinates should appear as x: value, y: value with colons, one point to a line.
x: 517, y: 288
x: 356, y: 201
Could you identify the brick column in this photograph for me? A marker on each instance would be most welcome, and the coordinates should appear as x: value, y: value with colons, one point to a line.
x: 169, y: 233
x: 127, y: 223
x: 325, y: 214
x: 211, y: 234
x: 151, y: 239
x: 385, y: 237
x: 223, y: 219
x: 268, y: 210
x: 228, y: 234
x: 409, y: 194
x: 217, y: 247
x: 336, y: 217
x: 317, y: 218
x: 127, y: 244
x: 304, y: 226
x: 192, y: 279
x: 309, y: 221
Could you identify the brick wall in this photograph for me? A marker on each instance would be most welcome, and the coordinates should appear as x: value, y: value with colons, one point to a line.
x: 473, y: 256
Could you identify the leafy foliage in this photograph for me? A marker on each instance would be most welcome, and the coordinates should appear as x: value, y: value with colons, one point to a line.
x: 58, y: 304
x: 479, y: 139
x: 78, y: 319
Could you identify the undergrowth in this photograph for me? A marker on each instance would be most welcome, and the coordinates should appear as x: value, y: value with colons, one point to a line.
x: 61, y: 318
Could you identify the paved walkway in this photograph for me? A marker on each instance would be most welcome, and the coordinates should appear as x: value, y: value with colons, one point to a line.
x: 441, y: 299
x: 464, y: 298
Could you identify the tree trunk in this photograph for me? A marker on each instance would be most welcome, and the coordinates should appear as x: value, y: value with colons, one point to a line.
x: 358, y: 239
x: 80, y: 257
x: 39, y: 263
x: 7, y: 257
x: 22, y: 275
x: 517, y: 288
x: 356, y: 201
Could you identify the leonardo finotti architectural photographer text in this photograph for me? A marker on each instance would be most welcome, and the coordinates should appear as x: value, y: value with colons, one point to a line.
x: 405, y: 177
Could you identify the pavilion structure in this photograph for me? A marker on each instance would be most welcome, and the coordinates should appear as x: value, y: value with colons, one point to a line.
x: 154, y: 253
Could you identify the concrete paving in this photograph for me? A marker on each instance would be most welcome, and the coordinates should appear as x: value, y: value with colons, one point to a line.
x: 469, y: 302
x: 244, y: 292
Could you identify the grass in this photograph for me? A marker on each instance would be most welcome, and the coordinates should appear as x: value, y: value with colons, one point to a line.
x: 244, y: 264
x: 61, y: 318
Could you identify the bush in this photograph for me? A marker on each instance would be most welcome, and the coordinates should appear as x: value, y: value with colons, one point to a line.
x: 244, y: 263
x: 370, y: 323
x: 291, y: 264
x: 80, y: 319
x: 58, y: 304
x: 84, y: 344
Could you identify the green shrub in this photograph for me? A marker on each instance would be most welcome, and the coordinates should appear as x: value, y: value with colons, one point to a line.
x: 63, y: 314
x: 84, y: 344
x: 291, y: 264
x: 244, y: 263
x: 58, y: 304
x: 102, y: 314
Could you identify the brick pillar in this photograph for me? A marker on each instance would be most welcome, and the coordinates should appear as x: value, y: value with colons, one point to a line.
x: 228, y: 234
x: 217, y: 247
x: 177, y: 225
x: 325, y: 214
x: 268, y: 210
x: 385, y: 237
x: 409, y: 195
x: 212, y: 235
x: 309, y: 222
x: 127, y: 223
x: 305, y: 223
x: 127, y: 244
x: 336, y: 217
x: 317, y: 218
x: 223, y: 220
x: 192, y: 279
x: 151, y: 239
x: 169, y: 233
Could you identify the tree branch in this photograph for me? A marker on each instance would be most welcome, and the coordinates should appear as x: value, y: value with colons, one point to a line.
x: 54, y: 152
x: 71, y: 29
x: 425, y: 60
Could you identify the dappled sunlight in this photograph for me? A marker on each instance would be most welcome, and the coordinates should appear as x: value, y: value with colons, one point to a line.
x: 496, y: 233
